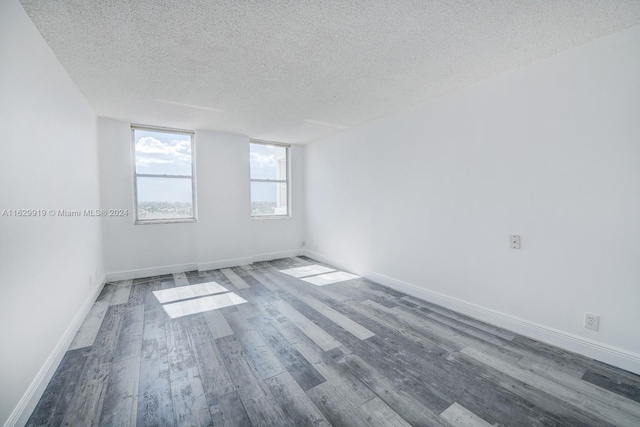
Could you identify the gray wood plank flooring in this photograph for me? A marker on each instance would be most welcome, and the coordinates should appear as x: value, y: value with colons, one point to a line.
x: 352, y: 353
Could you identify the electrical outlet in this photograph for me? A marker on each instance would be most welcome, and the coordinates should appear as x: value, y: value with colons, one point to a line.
x: 591, y: 321
x: 514, y: 241
x: 302, y: 243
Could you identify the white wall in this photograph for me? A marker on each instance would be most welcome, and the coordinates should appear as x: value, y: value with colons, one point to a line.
x: 50, y: 267
x: 283, y: 237
x: 127, y: 246
x: 424, y: 200
x: 224, y: 235
x: 224, y: 207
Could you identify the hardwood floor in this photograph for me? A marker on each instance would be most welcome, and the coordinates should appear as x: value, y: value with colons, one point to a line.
x: 263, y: 348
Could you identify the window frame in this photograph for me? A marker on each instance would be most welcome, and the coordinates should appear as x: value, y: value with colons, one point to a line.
x: 286, y: 181
x: 136, y: 175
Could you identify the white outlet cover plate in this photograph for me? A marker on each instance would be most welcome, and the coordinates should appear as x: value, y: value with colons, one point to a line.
x: 592, y: 321
x: 514, y: 241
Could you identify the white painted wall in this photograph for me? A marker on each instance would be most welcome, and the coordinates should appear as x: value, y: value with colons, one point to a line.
x: 224, y: 206
x: 283, y: 237
x: 48, y: 161
x: 425, y: 199
x: 136, y: 250
x: 224, y: 235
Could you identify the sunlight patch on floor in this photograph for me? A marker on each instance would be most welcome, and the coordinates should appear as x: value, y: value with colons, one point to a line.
x: 186, y: 300
x: 186, y: 292
x: 319, y: 275
x: 202, y: 304
x: 330, y: 278
x: 306, y: 270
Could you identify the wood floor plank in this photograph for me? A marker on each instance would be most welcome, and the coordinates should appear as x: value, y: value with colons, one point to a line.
x: 234, y: 278
x: 335, y: 406
x: 614, y: 384
x: 107, y: 339
x: 155, y: 406
x: 516, y: 349
x: 120, y: 407
x: 190, y: 407
x: 595, y: 393
x: 295, y: 403
x: 561, y: 412
x: 458, y: 415
x: 228, y: 411
x: 217, y: 324
x: 341, y: 320
x: 130, y: 337
x: 180, y: 279
x: 216, y: 380
x: 407, y: 369
x: 310, y: 329
x: 296, y: 365
x: 263, y: 359
x: 435, y: 309
x: 349, y: 386
x: 261, y: 406
x: 562, y: 392
x: 85, y: 406
x: 121, y: 292
x: 155, y: 403
x: 357, y: 291
x: 53, y: 404
x: 261, y: 347
x: 291, y: 285
x: 87, y: 333
x: 378, y: 413
x: 413, y: 411
x: 179, y: 350
x: 140, y: 292
x: 503, y: 350
x: 378, y: 313
x: 258, y: 275
x: 279, y: 283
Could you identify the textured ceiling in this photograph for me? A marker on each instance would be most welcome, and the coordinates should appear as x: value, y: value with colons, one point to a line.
x: 294, y: 70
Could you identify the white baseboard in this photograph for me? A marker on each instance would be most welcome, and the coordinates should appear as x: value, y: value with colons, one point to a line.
x: 593, y: 349
x: 225, y: 263
x: 148, y: 272
x: 29, y: 400
x: 203, y: 266
x: 276, y: 255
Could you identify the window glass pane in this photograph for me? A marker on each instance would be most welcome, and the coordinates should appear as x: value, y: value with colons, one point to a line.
x: 163, y: 198
x: 268, y: 198
x: 268, y: 161
x: 162, y: 153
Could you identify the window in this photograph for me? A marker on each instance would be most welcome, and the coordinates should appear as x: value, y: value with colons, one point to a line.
x: 164, y: 180
x: 269, y: 165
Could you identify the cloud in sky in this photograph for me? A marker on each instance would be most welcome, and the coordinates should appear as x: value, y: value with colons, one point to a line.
x: 262, y: 160
x: 155, y: 156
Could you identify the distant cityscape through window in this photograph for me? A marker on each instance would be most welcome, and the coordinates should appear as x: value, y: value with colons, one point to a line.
x: 269, y: 179
x: 163, y: 175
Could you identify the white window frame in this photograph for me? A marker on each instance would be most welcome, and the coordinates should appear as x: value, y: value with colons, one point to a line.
x: 136, y: 175
x: 286, y: 181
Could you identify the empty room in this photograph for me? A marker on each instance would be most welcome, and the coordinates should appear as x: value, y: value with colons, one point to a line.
x: 316, y: 213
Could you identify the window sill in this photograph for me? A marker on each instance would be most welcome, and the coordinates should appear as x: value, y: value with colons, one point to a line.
x: 263, y: 217
x: 166, y: 221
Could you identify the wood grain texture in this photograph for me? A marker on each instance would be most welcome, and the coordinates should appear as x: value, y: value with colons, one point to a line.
x: 252, y: 346
x: 190, y: 407
x: 458, y: 415
x: 234, y: 278
x: 120, y: 407
x: 59, y: 392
